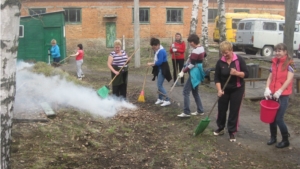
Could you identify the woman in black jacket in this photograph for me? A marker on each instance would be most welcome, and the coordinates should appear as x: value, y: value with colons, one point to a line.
x: 232, y: 65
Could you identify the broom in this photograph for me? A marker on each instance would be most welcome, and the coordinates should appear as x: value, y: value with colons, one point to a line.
x: 204, y: 122
x: 141, y: 97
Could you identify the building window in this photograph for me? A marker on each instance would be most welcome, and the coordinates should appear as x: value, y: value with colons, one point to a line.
x: 36, y: 11
x: 212, y: 14
x: 72, y: 15
x: 21, y: 31
x: 144, y: 15
x: 241, y: 10
x: 174, y: 16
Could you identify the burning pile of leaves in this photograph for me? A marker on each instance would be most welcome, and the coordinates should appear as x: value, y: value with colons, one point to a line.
x: 134, y: 116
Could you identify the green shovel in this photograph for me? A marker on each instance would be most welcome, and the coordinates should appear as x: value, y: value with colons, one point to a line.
x: 104, y: 91
x: 204, y: 122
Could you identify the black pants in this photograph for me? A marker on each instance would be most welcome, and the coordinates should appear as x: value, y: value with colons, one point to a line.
x: 120, y: 84
x: 120, y: 90
x: 179, y: 63
x: 233, y: 97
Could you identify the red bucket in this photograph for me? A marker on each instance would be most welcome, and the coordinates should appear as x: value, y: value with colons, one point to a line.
x: 268, y: 110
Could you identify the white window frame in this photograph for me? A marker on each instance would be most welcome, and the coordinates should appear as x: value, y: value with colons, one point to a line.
x: 22, y: 27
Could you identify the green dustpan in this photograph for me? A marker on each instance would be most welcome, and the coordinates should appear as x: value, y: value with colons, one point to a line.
x: 202, y: 126
x: 103, y: 92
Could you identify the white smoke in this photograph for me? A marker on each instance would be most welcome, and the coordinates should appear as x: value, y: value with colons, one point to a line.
x: 33, y: 89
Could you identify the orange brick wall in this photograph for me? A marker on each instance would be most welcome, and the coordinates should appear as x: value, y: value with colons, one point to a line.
x: 91, y: 31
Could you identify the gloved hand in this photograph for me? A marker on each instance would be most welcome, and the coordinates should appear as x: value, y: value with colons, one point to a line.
x: 174, y: 49
x: 267, y: 93
x: 190, y: 66
x: 277, y: 94
x: 181, y: 74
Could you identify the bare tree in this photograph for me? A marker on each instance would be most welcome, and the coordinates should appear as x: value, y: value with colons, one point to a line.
x: 290, y: 18
x: 222, y: 21
x: 194, y: 20
x: 10, y: 19
x: 205, y: 28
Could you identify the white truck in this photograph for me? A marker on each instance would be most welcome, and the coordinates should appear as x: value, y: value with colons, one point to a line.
x: 257, y: 35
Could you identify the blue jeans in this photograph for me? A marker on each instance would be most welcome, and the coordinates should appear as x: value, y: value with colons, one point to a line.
x: 283, y: 101
x: 56, y: 60
x: 161, y: 89
x: 186, y: 95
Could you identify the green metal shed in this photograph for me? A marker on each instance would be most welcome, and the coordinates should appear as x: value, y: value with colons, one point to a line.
x: 36, y: 33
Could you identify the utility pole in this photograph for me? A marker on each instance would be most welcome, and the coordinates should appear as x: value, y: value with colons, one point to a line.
x: 137, y: 60
x: 291, y: 7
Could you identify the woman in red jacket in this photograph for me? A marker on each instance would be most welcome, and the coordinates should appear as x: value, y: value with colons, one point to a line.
x: 279, y: 86
x: 177, y: 50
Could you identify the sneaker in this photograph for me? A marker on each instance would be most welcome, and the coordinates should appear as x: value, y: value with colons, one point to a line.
x: 82, y: 75
x: 159, y: 101
x: 165, y: 103
x: 196, y: 114
x: 183, y: 115
x: 219, y: 132
x: 232, y: 137
x: 79, y: 78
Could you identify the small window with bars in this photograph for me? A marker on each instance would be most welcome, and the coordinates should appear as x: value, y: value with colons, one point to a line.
x: 174, y: 15
x: 144, y: 15
x: 72, y: 15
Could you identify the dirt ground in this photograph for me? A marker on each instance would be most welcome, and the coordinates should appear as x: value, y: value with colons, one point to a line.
x: 149, y: 137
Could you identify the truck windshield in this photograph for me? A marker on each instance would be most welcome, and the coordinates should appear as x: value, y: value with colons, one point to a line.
x: 235, y: 23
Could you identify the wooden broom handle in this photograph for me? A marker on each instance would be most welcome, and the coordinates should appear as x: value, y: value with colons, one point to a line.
x: 123, y: 66
x: 221, y: 96
x: 145, y: 78
x: 64, y: 59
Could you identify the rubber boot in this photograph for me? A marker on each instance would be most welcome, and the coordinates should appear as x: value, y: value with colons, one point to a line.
x: 285, y: 141
x: 272, y: 140
x: 273, y: 136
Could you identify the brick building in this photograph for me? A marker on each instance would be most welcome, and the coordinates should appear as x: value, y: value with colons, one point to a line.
x: 91, y: 21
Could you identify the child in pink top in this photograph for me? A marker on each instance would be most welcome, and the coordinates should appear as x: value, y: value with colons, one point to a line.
x: 79, y: 61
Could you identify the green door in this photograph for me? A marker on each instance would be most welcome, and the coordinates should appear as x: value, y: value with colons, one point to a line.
x: 49, y: 34
x: 110, y: 34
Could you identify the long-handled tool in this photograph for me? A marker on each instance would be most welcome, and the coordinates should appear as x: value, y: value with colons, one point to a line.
x: 204, y: 122
x: 63, y: 59
x: 175, y: 64
x: 142, y: 97
x: 104, y: 91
